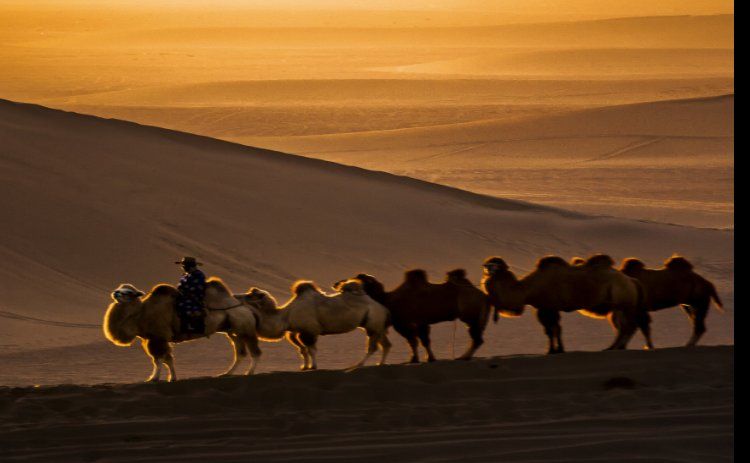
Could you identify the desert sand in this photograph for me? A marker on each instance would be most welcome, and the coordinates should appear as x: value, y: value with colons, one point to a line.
x: 672, y: 405
x: 407, y: 95
x: 128, y: 199
x: 582, y: 159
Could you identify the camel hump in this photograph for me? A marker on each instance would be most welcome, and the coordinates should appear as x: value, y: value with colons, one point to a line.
x: 217, y: 283
x: 162, y: 290
x: 458, y: 274
x: 303, y: 286
x: 352, y: 286
x: 551, y: 261
x: 495, y: 261
x: 632, y: 265
x: 577, y: 261
x: 599, y: 261
x: 678, y: 263
x: 416, y: 276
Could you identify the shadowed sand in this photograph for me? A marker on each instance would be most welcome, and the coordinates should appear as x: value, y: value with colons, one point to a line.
x: 672, y: 405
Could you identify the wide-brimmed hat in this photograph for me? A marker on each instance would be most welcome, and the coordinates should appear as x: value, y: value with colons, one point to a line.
x: 189, y: 261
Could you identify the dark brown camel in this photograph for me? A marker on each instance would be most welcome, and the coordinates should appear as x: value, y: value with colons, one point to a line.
x: 593, y: 287
x: 416, y: 304
x: 675, y: 284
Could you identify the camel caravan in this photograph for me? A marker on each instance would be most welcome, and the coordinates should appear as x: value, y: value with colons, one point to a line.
x: 166, y: 315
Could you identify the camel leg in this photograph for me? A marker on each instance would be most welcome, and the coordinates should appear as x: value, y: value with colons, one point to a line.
x: 310, y: 342
x: 475, y: 331
x: 423, y: 331
x: 240, y: 352
x: 169, y: 362
x: 372, y: 347
x: 385, y: 346
x: 293, y: 338
x: 625, y: 329
x: 158, y: 351
x: 155, y: 373
x: 697, y: 313
x: 550, y: 320
x: 252, y: 344
x: 411, y: 338
x: 558, y: 337
x: 644, y: 324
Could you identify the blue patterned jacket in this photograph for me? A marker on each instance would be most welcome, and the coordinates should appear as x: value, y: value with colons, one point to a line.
x: 192, y: 290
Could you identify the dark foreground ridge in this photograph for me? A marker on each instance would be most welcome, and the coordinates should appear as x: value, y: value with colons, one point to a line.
x: 668, y: 405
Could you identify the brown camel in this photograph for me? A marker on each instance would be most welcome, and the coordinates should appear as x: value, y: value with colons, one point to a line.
x: 675, y: 284
x: 416, y: 304
x: 593, y: 287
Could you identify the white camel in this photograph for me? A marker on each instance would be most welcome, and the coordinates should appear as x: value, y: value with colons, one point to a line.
x: 152, y: 318
x: 311, y: 313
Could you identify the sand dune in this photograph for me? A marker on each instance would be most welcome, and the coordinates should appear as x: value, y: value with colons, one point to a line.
x: 128, y: 199
x: 672, y: 405
x: 585, y: 63
x: 549, y: 158
x: 709, y: 31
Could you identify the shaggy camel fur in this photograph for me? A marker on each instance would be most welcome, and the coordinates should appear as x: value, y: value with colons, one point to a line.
x: 153, y: 319
x: 311, y: 313
x: 416, y: 304
x: 675, y: 284
x: 593, y: 287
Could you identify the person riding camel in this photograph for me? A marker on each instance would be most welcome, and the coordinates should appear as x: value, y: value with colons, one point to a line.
x: 192, y: 290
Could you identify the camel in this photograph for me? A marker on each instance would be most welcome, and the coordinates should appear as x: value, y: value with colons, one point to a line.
x: 593, y: 288
x: 152, y: 318
x: 416, y: 304
x: 676, y: 284
x: 311, y: 313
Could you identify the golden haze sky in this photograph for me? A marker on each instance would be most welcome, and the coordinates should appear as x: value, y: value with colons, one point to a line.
x: 417, y: 12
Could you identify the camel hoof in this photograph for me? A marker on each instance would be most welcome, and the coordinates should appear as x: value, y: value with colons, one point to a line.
x: 412, y: 360
x: 152, y: 380
x: 431, y: 359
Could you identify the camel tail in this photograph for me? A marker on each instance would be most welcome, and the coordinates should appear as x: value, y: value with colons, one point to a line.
x: 717, y: 300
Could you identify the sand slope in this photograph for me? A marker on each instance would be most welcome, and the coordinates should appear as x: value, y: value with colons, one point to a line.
x: 585, y: 159
x: 674, y: 405
x: 89, y: 203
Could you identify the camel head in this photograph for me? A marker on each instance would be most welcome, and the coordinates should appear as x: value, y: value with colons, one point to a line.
x: 121, y: 318
x: 126, y: 293
x: 372, y: 287
x: 494, y: 265
x: 506, y: 293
